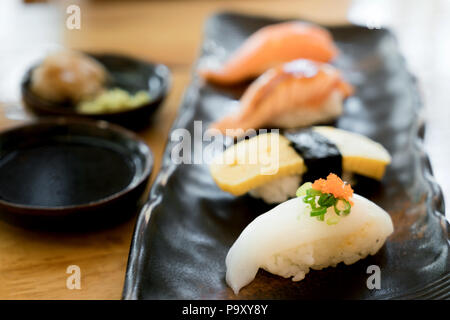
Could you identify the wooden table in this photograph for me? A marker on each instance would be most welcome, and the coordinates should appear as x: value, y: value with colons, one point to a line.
x: 33, y: 264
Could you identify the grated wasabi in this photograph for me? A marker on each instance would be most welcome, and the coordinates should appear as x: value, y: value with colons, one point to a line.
x: 113, y: 100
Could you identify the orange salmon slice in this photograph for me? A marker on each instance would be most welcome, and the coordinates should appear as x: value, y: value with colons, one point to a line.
x: 272, y: 46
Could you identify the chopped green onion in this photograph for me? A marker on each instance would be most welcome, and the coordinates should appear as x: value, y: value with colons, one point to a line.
x: 313, y: 192
x: 303, y: 188
x: 325, y: 201
x: 321, y: 217
x: 332, y: 220
x: 338, y: 212
x: 346, y: 209
x: 319, y: 211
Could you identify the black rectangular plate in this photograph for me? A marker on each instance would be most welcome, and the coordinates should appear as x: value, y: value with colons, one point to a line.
x: 184, y: 232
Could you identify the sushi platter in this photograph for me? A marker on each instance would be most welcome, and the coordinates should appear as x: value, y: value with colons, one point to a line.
x: 215, y: 231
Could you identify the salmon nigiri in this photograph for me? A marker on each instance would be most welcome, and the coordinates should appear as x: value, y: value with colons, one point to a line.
x: 272, y: 46
x: 296, y: 94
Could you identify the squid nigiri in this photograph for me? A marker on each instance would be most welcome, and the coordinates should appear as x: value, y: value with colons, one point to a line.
x: 325, y: 225
x: 296, y: 94
x: 271, y: 46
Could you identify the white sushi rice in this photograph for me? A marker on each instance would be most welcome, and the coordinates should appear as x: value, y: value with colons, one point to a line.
x: 330, y: 109
x: 324, y: 253
x: 278, y: 190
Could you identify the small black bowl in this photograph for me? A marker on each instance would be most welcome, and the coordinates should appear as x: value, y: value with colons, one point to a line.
x: 126, y: 73
x: 77, y: 174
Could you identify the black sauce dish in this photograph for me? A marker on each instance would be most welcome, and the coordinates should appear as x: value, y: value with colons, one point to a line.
x: 71, y: 174
x: 126, y: 73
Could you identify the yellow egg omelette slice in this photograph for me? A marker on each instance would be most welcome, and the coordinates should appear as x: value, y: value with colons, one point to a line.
x: 251, y: 163
x: 360, y: 154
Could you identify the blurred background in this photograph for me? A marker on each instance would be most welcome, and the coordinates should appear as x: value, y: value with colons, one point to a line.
x: 170, y: 32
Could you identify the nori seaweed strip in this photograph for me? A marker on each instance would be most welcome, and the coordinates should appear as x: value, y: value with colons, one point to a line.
x: 321, y: 156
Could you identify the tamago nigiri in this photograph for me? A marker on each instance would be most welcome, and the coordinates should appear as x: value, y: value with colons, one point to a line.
x: 271, y: 46
x: 299, y: 155
x: 296, y: 94
x: 325, y: 225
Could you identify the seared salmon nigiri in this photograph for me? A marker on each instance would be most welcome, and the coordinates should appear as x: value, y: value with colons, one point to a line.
x: 272, y: 46
x: 296, y: 94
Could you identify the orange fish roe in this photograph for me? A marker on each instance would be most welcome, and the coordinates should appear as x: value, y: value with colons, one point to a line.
x: 334, y: 185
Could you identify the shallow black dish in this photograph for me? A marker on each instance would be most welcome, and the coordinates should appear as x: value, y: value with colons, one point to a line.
x: 61, y: 173
x: 127, y: 73
x: 185, y: 231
